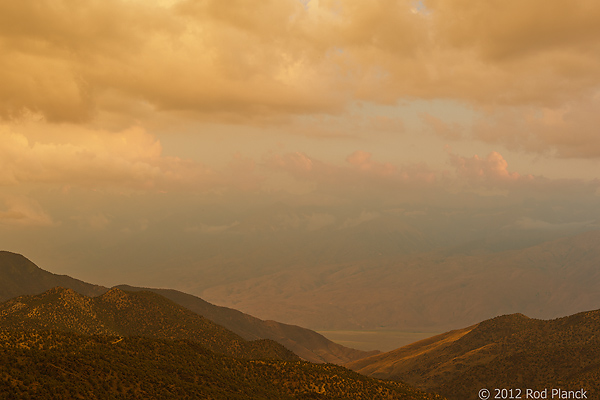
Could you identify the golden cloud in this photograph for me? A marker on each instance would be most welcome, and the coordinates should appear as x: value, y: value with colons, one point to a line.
x: 131, y: 158
x: 281, y: 57
x: 504, y: 30
x: 363, y: 176
x: 271, y: 60
x: 490, y: 171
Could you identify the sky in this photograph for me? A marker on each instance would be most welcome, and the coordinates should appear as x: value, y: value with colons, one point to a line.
x: 133, y: 133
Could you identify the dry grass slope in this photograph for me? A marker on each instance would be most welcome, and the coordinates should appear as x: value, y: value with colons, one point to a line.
x: 510, y: 351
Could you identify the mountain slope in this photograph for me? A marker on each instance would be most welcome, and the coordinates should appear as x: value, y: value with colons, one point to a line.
x: 308, y: 344
x: 130, y: 314
x: 19, y: 276
x: 48, y: 365
x: 510, y: 351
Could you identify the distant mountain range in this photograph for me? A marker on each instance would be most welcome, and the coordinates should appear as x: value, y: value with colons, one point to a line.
x: 308, y: 344
x: 510, y: 351
x: 138, y: 344
x: 112, y: 339
x: 428, y: 292
x: 19, y: 276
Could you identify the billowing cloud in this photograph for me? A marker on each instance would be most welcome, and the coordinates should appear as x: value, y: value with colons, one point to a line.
x: 280, y: 57
x: 298, y: 164
x: 49, y: 49
x: 362, y: 161
x: 363, y: 176
x: 503, y: 30
x: 146, y: 127
x: 531, y: 74
x: 65, y: 61
x: 359, y: 173
x: 131, y: 158
x: 360, y: 176
x: 491, y: 170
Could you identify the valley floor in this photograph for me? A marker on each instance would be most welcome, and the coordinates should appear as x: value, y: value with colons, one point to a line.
x: 382, y: 340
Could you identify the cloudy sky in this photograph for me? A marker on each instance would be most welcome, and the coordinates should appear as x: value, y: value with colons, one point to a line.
x: 122, y: 119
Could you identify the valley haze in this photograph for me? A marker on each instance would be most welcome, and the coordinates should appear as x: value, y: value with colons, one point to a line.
x: 62, y: 342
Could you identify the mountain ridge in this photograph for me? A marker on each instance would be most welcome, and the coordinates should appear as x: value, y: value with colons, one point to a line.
x: 510, y: 351
x: 21, y: 276
x: 308, y: 344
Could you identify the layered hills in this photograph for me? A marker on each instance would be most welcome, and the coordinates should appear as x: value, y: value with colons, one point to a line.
x: 19, y: 276
x: 49, y: 365
x: 120, y: 313
x: 432, y: 291
x: 141, y: 345
x: 308, y: 344
x: 510, y: 351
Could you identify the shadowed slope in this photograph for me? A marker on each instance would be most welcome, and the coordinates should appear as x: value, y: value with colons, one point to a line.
x: 19, y: 277
x: 308, y: 344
